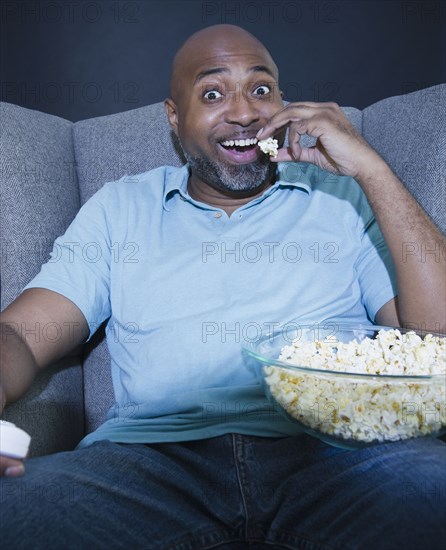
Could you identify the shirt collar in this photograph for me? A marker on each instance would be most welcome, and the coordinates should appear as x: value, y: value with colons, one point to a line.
x: 176, y: 182
x: 289, y: 174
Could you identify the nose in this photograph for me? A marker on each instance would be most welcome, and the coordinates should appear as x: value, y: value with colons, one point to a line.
x: 241, y: 110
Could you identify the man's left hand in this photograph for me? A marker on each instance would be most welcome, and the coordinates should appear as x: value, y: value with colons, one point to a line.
x: 339, y: 148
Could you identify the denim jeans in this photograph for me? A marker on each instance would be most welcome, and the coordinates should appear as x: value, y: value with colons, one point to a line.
x: 234, y: 492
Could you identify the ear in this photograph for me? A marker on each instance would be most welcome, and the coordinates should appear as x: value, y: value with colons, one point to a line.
x: 172, y: 115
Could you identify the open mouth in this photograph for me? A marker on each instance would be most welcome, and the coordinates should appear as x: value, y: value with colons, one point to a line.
x: 240, y: 150
x: 240, y: 145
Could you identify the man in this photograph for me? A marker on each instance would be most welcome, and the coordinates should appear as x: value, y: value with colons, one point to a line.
x: 203, y: 461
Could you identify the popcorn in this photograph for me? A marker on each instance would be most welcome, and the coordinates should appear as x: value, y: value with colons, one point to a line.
x: 269, y: 146
x: 365, y: 409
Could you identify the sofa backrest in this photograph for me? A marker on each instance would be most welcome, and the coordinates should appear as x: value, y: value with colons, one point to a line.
x: 128, y: 143
x: 409, y: 131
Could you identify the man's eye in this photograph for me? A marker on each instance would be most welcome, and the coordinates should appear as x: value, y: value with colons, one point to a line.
x: 262, y: 90
x: 211, y: 95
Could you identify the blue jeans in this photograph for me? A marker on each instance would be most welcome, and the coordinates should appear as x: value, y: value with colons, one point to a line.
x: 231, y: 492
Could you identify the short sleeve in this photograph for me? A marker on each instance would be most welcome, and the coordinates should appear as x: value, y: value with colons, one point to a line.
x: 79, y: 264
x: 375, y: 268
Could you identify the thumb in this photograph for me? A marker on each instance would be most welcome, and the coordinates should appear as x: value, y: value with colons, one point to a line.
x: 318, y: 155
x: 11, y: 467
x: 308, y: 154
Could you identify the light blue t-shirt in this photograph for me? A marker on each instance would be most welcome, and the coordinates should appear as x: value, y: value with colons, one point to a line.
x: 183, y: 286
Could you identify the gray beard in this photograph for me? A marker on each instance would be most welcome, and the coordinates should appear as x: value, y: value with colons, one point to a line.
x: 236, y: 178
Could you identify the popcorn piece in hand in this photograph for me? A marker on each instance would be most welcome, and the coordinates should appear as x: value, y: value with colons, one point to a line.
x: 269, y: 146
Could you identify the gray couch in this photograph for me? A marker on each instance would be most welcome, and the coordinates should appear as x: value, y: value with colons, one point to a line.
x: 50, y: 166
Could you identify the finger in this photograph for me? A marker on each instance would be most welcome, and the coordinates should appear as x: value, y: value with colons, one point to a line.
x: 284, y: 155
x: 308, y: 154
x: 11, y: 467
x: 320, y: 158
x: 291, y: 113
x: 294, y: 136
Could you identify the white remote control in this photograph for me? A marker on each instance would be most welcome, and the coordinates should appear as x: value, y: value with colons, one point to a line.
x: 14, y: 442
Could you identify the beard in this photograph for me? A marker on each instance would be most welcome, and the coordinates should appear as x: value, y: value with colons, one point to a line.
x: 235, y: 178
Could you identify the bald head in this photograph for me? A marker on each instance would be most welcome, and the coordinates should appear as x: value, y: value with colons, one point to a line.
x: 213, y: 42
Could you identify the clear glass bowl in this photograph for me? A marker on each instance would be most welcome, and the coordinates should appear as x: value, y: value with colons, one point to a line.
x: 347, y: 409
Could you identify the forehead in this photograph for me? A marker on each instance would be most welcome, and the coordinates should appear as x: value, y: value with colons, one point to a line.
x: 236, y: 64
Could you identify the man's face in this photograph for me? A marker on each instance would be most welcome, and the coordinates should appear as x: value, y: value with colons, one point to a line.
x: 226, y: 95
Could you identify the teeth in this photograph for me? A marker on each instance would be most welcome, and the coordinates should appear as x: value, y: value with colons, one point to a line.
x: 239, y: 142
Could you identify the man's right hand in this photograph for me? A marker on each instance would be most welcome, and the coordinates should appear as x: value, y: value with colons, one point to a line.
x: 24, y: 350
x: 11, y: 467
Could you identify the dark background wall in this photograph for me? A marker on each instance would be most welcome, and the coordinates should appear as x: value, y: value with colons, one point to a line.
x: 85, y: 58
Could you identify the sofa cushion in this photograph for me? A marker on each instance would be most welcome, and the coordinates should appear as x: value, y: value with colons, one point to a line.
x: 38, y: 199
x: 113, y: 146
x: 39, y: 192
x: 409, y: 131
